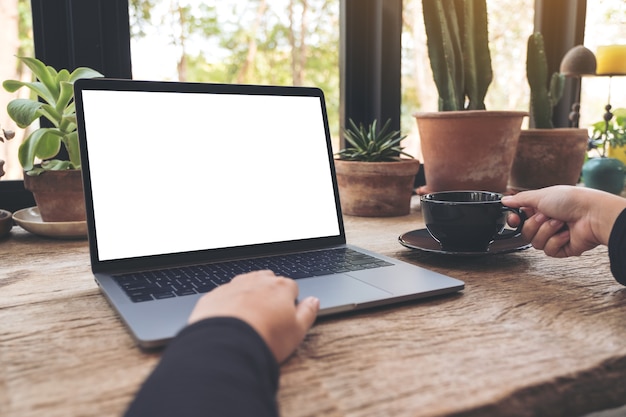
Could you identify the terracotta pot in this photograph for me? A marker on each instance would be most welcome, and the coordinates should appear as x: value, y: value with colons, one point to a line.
x: 468, y: 150
x: 548, y: 157
x: 58, y: 194
x: 376, y: 189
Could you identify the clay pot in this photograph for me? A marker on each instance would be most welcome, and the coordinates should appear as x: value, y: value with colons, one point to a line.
x: 468, y: 150
x: 548, y: 157
x: 376, y: 189
x: 606, y: 174
x: 58, y: 194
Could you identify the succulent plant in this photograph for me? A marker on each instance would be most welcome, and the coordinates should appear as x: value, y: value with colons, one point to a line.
x: 543, y: 96
x: 458, y: 47
x: 372, y: 144
x: 55, y: 89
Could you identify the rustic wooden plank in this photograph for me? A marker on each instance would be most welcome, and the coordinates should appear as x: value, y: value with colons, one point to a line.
x: 530, y: 335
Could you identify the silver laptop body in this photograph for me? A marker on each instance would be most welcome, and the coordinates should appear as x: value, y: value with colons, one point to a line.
x: 182, y: 174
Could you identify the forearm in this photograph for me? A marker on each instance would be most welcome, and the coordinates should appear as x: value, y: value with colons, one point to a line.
x: 617, y: 248
x: 604, y: 209
x: 216, y: 367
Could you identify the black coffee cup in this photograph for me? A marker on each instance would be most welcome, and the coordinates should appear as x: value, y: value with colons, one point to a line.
x: 468, y: 221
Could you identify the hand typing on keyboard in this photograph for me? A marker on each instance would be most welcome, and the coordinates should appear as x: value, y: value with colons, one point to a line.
x: 266, y: 302
x: 197, y: 279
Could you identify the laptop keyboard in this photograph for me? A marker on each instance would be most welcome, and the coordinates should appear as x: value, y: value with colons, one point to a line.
x: 181, y: 281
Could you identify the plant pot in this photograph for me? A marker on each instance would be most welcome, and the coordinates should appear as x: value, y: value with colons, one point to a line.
x: 606, y: 174
x: 376, y: 189
x: 58, y: 194
x: 468, y: 150
x: 546, y: 157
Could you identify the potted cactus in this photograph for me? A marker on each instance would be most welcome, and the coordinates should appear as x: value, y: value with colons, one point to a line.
x: 464, y: 146
x: 373, y: 178
x: 55, y: 182
x: 546, y: 155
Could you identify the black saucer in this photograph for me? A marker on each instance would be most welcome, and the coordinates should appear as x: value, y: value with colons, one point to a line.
x: 422, y: 240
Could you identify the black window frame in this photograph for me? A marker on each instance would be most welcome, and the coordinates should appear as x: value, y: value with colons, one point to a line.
x: 96, y: 33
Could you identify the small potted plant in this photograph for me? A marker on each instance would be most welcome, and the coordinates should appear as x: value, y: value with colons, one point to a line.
x: 55, y: 182
x: 464, y: 146
x: 615, y: 134
x: 605, y: 172
x: 373, y: 178
x: 547, y: 155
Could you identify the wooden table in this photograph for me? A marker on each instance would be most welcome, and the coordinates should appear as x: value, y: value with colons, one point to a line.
x: 530, y: 335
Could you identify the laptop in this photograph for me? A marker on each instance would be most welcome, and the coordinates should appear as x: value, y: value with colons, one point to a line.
x: 188, y: 182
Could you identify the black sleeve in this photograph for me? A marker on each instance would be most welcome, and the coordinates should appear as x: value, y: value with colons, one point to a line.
x: 617, y: 248
x: 215, y: 367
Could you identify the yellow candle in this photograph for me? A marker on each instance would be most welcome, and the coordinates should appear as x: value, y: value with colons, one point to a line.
x: 611, y: 60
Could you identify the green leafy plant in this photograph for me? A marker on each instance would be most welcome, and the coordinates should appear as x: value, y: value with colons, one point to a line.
x: 372, y: 144
x: 610, y: 132
x: 55, y: 91
x: 542, y: 98
x: 458, y: 48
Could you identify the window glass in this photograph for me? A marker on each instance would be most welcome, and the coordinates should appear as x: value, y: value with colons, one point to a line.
x: 605, y: 25
x: 15, y: 40
x: 283, y: 42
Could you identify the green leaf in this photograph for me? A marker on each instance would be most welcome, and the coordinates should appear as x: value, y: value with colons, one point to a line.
x: 51, y: 114
x: 56, y: 165
x: 83, y: 72
x: 38, y: 88
x: 62, y: 76
x: 65, y: 96
x: 12, y: 85
x: 24, y: 111
x: 45, y: 74
x: 35, y: 171
x: 43, y: 143
x: 71, y: 144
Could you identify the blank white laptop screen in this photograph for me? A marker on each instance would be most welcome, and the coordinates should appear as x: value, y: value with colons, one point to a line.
x: 176, y: 172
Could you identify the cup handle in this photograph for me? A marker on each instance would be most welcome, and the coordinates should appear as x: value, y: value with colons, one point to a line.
x: 507, y: 233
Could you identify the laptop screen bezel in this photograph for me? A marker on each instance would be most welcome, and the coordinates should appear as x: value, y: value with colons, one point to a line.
x: 208, y: 255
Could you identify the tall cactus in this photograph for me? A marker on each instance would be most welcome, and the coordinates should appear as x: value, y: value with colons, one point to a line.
x: 458, y: 47
x: 542, y: 98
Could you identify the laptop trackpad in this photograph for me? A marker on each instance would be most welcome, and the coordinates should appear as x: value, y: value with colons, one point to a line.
x: 338, y: 290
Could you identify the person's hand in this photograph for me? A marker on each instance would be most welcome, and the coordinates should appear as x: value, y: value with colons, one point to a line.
x: 267, y: 303
x: 566, y: 220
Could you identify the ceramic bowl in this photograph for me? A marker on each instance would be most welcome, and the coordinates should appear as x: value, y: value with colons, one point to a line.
x: 6, y: 222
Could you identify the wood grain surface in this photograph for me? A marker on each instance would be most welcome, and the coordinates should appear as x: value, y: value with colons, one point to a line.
x: 529, y: 336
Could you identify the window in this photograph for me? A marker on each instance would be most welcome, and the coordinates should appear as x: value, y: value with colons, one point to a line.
x: 282, y: 42
x: 606, y: 25
x: 17, y: 40
x: 95, y: 33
